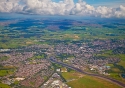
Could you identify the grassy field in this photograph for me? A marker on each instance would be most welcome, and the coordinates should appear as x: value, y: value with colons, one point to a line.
x: 3, y: 58
x: 4, y: 86
x: 5, y: 72
x: 77, y: 80
x: 122, y: 62
x: 41, y: 56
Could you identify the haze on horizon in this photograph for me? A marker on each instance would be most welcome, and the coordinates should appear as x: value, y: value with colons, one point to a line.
x: 91, y: 8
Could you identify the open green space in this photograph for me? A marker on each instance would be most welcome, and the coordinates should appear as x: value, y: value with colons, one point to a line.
x: 3, y: 58
x: 77, y: 80
x: 4, y: 85
x: 122, y: 62
x: 64, y: 56
x: 6, y: 70
x: 36, y: 57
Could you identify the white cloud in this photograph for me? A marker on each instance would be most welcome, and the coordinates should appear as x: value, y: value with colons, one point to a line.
x: 65, y: 7
x: 10, y: 6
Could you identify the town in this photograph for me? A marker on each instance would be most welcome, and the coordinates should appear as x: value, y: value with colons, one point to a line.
x: 32, y: 67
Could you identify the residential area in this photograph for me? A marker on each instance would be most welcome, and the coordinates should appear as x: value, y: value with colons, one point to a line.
x: 31, y: 66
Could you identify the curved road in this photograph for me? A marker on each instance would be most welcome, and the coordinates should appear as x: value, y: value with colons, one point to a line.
x: 96, y: 75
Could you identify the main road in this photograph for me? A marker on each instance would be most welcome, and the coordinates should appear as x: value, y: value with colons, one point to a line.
x: 95, y: 75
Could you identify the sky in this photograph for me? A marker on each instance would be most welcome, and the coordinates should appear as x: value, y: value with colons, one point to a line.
x: 108, y: 3
x: 92, y: 8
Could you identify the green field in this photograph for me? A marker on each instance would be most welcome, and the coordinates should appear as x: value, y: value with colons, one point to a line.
x: 3, y: 58
x: 6, y: 70
x: 4, y: 86
x: 77, y: 80
x: 36, y: 57
x: 122, y: 62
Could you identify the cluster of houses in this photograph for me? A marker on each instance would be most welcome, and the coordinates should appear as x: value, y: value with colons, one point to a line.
x: 85, y: 54
x: 82, y: 56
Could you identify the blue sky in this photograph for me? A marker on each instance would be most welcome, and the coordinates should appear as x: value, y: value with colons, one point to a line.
x: 102, y: 2
x: 106, y: 2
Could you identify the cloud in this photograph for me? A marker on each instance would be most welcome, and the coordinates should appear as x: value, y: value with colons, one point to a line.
x: 10, y: 6
x: 65, y: 7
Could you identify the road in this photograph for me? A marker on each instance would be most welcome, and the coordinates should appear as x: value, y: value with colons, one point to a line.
x: 90, y: 74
